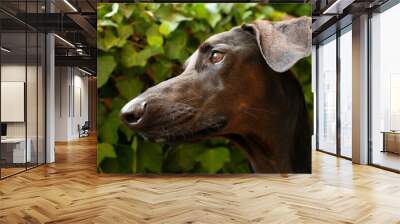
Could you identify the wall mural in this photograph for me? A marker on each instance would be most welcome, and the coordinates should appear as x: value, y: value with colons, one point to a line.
x: 204, y: 88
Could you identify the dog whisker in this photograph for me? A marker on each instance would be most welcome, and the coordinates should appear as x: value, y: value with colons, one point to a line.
x: 250, y: 114
x: 190, y: 99
x: 260, y: 109
x: 172, y: 116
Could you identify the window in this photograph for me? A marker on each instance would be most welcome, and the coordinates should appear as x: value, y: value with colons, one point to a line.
x: 327, y: 96
x: 385, y: 89
x: 346, y: 75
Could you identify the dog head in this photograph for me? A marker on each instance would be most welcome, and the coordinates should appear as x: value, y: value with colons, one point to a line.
x: 223, y: 77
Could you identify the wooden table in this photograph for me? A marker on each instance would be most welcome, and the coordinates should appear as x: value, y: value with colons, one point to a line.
x: 13, y: 150
x: 391, y: 141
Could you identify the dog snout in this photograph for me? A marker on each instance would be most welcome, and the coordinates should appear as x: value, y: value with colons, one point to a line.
x: 133, y: 113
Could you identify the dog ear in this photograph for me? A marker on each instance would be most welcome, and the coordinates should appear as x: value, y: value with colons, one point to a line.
x: 282, y: 43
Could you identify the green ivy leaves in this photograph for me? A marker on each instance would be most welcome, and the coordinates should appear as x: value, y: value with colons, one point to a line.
x: 140, y: 45
x: 150, y: 157
x: 108, y: 131
x: 105, y: 65
x: 129, y: 88
x: 153, y: 36
x: 167, y: 27
x: 214, y: 159
x: 114, y: 10
x: 175, y: 46
x: 105, y: 150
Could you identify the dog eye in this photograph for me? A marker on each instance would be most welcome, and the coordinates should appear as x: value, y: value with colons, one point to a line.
x: 216, y: 57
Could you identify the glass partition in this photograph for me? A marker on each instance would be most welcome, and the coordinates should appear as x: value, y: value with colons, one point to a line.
x: 22, y: 88
x: 327, y: 95
x: 14, y: 151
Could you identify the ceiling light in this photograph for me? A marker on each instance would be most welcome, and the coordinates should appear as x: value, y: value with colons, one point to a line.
x: 337, y: 7
x: 80, y: 51
x: 70, y: 5
x: 5, y: 50
x: 65, y: 41
x: 331, y: 8
x: 84, y: 71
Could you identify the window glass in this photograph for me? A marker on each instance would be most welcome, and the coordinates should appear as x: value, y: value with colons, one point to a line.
x: 327, y: 96
x: 385, y: 88
x: 345, y: 93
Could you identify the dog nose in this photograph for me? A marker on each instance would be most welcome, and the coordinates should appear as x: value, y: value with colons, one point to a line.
x: 134, y: 113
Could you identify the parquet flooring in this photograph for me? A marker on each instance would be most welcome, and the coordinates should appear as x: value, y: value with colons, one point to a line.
x: 70, y: 191
x: 11, y: 170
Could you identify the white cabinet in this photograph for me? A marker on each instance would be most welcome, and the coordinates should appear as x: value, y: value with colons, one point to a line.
x: 12, y: 101
x: 17, y: 146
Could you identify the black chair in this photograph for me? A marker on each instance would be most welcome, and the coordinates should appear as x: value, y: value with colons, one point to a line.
x: 84, y: 130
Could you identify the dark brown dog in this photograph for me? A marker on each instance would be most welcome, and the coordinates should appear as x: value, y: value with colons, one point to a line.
x: 237, y: 85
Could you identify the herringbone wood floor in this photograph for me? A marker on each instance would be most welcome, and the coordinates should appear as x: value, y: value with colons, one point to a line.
x: 70, y: 191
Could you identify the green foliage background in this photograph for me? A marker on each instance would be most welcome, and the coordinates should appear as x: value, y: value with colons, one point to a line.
x: 140, y: 45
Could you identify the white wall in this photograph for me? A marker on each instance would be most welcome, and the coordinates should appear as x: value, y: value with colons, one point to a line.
x: 61, y: 103
x: 13, y: 73
x: 71, y: 94
x: 80, y: 102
